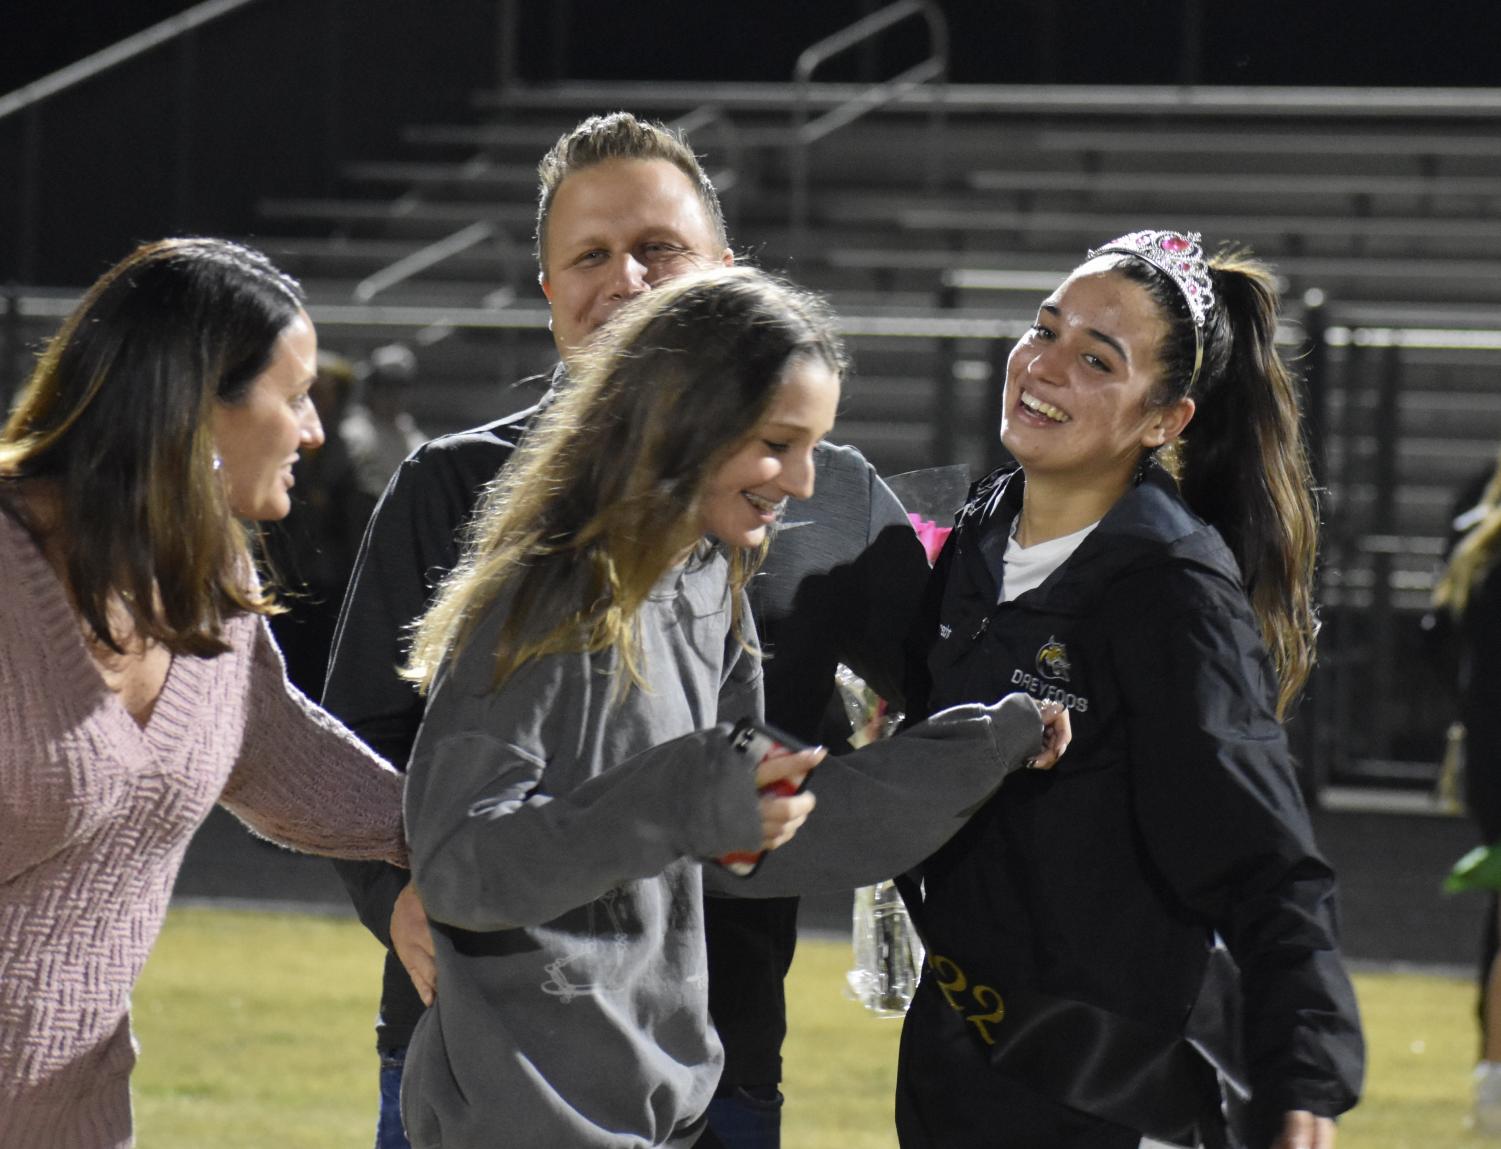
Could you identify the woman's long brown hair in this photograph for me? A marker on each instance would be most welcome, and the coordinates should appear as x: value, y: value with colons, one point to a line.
x: 115, y: 423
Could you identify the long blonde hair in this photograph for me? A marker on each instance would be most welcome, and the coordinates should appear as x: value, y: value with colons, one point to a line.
x: 604, y: 495
x: 1474, y: 554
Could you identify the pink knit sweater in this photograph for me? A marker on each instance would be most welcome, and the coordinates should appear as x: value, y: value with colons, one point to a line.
x: 95, y: 815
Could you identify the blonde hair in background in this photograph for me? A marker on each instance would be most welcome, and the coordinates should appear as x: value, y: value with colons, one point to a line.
x: 1475, y: 553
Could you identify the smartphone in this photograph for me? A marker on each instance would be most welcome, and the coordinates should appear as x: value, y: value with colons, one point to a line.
x: 759, y: 741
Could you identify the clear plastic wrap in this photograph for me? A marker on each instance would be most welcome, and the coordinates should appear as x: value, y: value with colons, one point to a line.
x: 888, y: 954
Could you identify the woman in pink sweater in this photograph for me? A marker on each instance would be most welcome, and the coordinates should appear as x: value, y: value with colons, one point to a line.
x: 138, y: 681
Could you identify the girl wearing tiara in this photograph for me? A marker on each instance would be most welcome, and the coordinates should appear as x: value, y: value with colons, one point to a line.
x: 1138, y: 947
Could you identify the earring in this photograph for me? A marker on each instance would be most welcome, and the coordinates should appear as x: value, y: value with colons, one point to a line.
x: 218, y: 462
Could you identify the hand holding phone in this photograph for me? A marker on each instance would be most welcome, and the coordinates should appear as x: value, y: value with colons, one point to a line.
x: 782, y: 767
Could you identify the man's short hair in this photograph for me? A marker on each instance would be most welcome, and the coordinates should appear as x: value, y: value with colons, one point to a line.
x: 620, y: 136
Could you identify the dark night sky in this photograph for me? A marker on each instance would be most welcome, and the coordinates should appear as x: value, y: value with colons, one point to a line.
x: 1335, y: 42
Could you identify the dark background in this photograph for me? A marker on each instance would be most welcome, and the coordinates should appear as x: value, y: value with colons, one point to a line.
x: 269, y: 102
x: 1298, y: 42
x: 271, y: 99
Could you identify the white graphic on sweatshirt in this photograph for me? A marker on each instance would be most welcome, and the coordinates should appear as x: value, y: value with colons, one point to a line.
x: 599, y: 954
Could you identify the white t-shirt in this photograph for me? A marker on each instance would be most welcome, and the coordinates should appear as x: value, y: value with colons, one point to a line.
x: 1027, y: 568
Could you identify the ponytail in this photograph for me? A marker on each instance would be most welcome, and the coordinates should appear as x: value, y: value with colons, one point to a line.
x: 1245, y: 467
x: 1241, y: 463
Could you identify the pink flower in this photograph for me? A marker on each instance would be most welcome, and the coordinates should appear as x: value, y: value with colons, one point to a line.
x: 930, y: 534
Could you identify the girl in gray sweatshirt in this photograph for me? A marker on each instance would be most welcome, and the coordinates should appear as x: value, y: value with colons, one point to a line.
x: 573, y: 781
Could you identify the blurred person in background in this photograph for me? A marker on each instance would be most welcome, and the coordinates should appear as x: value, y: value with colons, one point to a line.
x: 1149, y: 562
x: 312, y: 551
x: 140, y: 683
x: 378, y: 430
x: 624, y: 207
x: 1467, y: 605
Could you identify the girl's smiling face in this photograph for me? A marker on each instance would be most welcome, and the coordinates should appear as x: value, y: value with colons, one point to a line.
x: 1078, y: 383
x: 746, y: 494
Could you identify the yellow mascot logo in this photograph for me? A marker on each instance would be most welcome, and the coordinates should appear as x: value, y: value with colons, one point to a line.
x: 1052, y: 660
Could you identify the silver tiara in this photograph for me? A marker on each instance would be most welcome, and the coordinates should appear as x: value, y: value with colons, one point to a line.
x: 1180, y: 257
x: 1177, y: 255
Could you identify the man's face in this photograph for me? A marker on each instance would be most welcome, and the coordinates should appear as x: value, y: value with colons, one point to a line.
x: 615, y: 230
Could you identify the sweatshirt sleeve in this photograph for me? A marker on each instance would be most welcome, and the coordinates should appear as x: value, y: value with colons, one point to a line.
x: 497, y: 845
x: 301, y: 778
x: 888, y: 806
x: 1222, y: 816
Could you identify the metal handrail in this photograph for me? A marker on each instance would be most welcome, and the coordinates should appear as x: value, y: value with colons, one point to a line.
x: 30, y: 99
x: 807, y: 132
x: 29, y: 95
x: 423, y: 259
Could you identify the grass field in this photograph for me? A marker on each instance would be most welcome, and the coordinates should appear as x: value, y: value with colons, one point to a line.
x: 255, y: 1032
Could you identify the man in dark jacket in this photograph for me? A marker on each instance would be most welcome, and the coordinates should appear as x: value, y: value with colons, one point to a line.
x: 624, y: 206
x: 1079, y: 990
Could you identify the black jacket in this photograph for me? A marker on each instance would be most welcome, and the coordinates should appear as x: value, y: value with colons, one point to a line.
x: 411, y: 542
x: 1084, y: 901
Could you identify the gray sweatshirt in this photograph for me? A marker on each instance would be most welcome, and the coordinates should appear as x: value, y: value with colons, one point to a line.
x: 557, y: 834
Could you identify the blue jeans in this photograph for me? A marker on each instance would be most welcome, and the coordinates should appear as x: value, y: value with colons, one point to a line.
x: 748, y: 1118
x: 389, y: 1133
